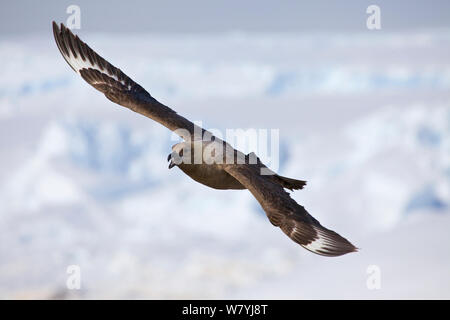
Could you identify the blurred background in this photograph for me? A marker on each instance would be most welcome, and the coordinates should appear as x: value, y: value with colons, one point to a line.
x: 363, y: 116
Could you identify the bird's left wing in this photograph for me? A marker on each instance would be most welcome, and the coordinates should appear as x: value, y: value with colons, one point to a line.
x: 116, y: 85
x: 287, y: 214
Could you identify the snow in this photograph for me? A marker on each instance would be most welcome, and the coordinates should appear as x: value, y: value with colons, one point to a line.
x: 365, y: 120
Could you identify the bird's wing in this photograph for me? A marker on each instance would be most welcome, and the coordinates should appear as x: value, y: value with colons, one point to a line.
x: 116, y: 85
x: 287, y: 214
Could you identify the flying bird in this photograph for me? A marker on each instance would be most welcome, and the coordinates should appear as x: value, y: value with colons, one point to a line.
x: 214, y: 168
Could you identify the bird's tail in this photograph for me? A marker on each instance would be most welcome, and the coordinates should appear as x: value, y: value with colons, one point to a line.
x: 289, y: 183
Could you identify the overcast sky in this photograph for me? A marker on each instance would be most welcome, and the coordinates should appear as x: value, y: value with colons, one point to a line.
x: 157, y: 16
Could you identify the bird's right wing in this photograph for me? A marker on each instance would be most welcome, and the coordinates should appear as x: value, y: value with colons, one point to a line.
x: 287, y: 214
x: 116, y: 85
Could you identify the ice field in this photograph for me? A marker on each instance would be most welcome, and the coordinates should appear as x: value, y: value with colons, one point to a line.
x: 363, y: 117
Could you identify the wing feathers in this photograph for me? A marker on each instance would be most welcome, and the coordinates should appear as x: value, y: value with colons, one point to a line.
x: 115, y: 84
x: 81, y: 57
x: 287, y: 214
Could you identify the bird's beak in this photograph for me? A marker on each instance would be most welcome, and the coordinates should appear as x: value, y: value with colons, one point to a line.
x: 170, y: 158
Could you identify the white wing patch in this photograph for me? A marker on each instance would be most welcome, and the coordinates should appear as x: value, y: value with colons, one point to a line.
x: 322, y: 244
x: 317, y: 244
x: 78, y: 64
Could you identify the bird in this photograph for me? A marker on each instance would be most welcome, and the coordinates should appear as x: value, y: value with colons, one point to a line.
x: 218, y: 165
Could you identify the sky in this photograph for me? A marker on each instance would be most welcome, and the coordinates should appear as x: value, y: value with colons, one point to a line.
x: 363, y: 116
x: 203, y: 16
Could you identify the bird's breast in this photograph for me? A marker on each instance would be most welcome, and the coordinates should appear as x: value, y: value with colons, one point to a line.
x: 211, y: 175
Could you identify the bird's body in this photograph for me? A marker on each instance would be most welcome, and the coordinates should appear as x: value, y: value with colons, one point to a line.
x: 211, y: 175
x: 203, y: 157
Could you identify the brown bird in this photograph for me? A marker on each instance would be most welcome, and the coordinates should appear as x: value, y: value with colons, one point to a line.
x: 218, y: 165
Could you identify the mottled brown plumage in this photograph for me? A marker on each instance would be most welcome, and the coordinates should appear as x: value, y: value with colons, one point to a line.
x: 245, y: 171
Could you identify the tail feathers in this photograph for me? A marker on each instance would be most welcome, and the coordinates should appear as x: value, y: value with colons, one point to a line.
x: 291, y: 184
